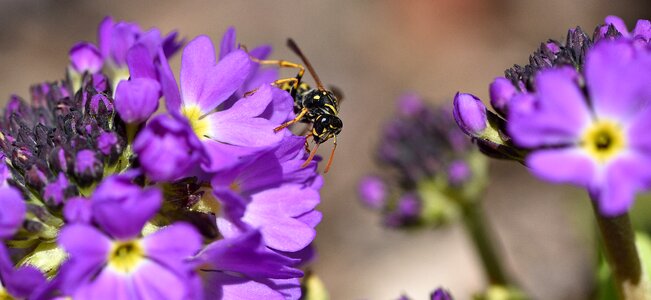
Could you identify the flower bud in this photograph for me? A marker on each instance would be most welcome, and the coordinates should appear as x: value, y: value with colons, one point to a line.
x: 373, y: 192
x: 440, y: 294
x: 85, y: 57
x: 137, y: 99
x: 88, y: 168
x: 470, y: 114
x: 501, y: 91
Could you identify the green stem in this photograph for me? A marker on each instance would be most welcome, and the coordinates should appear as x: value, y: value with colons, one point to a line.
x: 619, y: 244
x: 480, y: 233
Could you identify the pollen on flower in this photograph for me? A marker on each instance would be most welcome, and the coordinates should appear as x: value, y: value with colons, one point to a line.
x: 603, y: 140
x: 200, y: 126
x: 126, y: 256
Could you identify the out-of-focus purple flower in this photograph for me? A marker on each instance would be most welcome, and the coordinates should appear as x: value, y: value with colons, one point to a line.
x: 227, y: 134
x: 78, y: 209
x: 373, y: 191
x: 601, y: 143
x: 13, y: 211
x: 137, y: 99
x: 88, y: 167
x: 641, y: 31
x: 441, y: 294
x: 501, y: 91
x: 430, y: 159
x: 107, y: 142
x: 168, y: 149
x: 18, y: 283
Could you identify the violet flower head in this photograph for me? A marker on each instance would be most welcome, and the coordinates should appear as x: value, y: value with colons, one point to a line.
x: 227, y: 134
x: 575, y: 114
x: 431, y: 160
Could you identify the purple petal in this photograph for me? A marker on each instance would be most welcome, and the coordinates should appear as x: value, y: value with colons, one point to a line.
x: 107, y: 285
x: 122, y: 208
x: 153, y: 281
x: 569, y: 165
x: 224, y: 286
x: 501, y: 92
x: 288, y: 200
x: 85, y: 57
x: 254, y: 105
x: 104, y: 33
x: 225, y: 156
x: 246, y: 254
x: 617, y: 79
x: 168, y: 84
x: 228, y: 42
x: 618, y: 23
x: 173, y: 244
x: 24, y: 281
x: 624, y: 177
x: 232, y: 128
x: 642, y: 29
x: 137, y: 99
x: 85, y: 242
x: 12, y: 211
x: 281, y: 232
x: 141, y: 62
x: 311, y: 218
x: 205, y: 84
x: 557, y: 116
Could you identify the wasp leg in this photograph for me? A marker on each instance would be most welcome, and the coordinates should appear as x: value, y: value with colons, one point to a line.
x: 296, y: 119
x: 277, y: 83
x: 332, y: 155
x: 307, y: 143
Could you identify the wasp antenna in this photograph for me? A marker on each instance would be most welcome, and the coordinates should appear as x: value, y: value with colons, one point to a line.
x: 332, y: 155
x: 309, y: 158
x: 292, y: 45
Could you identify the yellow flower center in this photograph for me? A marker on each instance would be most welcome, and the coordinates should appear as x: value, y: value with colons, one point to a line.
x: 4, y: 295
x: 603, y: 140
x: 200, y: 126
x: 126, y: 256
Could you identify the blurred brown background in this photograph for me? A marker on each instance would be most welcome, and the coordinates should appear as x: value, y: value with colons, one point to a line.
x: 373, y: 51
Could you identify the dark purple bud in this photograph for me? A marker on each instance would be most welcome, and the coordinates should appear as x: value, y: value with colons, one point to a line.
x: 409, y: 206
x: 373, y: 192
x: 78, y: 210
x: 167, y: 148
x: 85, y: 57
x: 441, y: 294
x: 100, y: 103
x: 470, y: 114
x: 137, y: 99
x: 107, y: 142
x: 88, y: 168
x: 55, y: 192
x: 13, y: 211
x: 501, y: 91
x: 35, y: 178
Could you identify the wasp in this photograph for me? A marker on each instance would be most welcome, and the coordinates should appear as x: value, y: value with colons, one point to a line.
x: 317, y: 107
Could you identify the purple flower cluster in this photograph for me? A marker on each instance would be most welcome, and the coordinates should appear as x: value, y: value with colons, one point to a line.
x: 578, y: 113
x: 108, y: 199
x: 433, y: 167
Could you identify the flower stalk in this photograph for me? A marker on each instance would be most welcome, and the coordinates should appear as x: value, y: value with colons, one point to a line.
x: 481, y: 235
x: 618, y: 240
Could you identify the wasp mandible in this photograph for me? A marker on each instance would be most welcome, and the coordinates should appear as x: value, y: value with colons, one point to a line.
x: 315, y: 106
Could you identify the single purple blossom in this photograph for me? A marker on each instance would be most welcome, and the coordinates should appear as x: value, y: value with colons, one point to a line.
x: 85, y: 57
x: 601, y: 143
x: 168, y: 149
x: 116, y: 262
x: 373, y: 191
x: 227, y: 134
x: 137, y: 99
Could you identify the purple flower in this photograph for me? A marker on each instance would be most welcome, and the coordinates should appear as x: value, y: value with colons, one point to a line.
x: 440, y: 294
x: 641, y: 31
x: 373, y: 191
x: 243, y: 268
x: 12, y: 211
x: 168, y: 149
x: 470, y: 114
x: 598, y: 142
x: 271, y: 193
x: 116, y: 262
x: 227, y: 134
x: 55, y: 192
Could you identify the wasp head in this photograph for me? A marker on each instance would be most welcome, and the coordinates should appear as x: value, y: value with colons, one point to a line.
x: 325, y: 127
